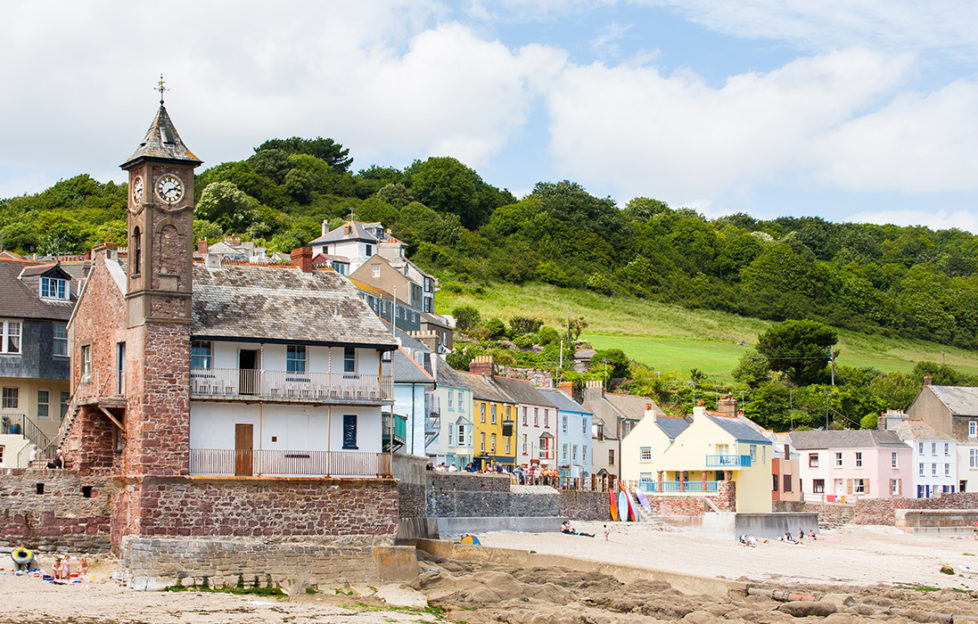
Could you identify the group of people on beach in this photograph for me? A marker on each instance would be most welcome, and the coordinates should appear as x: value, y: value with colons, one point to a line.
x: 61, y: 570
x: 751, y: 541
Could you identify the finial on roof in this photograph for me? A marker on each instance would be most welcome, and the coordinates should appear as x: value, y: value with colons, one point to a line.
x: 161, y: 89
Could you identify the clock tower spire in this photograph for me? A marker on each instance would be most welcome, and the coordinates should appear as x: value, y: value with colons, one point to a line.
x: 160, y: 224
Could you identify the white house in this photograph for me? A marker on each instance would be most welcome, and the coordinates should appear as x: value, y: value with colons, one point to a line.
x: 934, y: 458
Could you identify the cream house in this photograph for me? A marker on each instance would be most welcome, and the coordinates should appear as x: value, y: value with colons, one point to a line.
x: 672, y: 456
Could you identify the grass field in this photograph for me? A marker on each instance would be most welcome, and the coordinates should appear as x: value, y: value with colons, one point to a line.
x: 672, y: 338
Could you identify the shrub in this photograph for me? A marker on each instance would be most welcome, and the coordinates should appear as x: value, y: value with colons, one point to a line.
x: 550, y: 273
x: 494, y: 328
x: 525, y: 325
x: 600, y: 284
x: 525, y: 341
x: 547, y: 335
x: 466, y: 317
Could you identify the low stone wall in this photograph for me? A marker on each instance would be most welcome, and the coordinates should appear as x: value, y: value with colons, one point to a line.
x: 578, y: 505
x: 53, y: 510
x: 361, y: 511
x: 412, y: 479
x: 881, y: 510
x: 466, y: 495
x: 831, y: 515
x: 152, y: 564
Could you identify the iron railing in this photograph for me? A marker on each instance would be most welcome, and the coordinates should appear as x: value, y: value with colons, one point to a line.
x: 728, y: 460
x: 675, y: 487
x: 269, y: 463
x: 269, y: 384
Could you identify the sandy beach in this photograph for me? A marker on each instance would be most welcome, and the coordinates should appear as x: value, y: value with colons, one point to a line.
x: 854, y: 555
x: 863, y: 562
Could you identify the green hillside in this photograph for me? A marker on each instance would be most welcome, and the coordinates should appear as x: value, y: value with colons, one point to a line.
x: 675, y: 339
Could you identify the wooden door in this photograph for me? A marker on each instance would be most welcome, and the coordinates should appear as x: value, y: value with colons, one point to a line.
x: 243, y: 447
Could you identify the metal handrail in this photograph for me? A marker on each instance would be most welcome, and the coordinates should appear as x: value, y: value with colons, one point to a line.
x: 235, y: 382
x: 289, y: 463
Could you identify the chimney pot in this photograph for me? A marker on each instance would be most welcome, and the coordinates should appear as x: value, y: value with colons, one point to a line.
x: 700, y: 403
x: 927, y: 380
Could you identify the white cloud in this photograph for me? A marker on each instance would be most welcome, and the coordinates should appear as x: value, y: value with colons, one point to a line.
x: 894, y: 25
x: 938, y: 219
x: 387, y: 79
x: 915, y: 144
x: 677, y: 138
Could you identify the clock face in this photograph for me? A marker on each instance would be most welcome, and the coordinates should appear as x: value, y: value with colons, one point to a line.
x: 169, y: 188
x: 137, y: 190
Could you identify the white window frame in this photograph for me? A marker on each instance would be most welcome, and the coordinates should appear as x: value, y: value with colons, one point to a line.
x: 60, y: 342
x: 86, y: 362
x: 973, y: 428
x: 973, y: 458
x: 645, y: 453
x: 9, y: 397
x: 893, y: 460
x: 933, y: 470
x: 858, y: 486
x: 947, y: 470
x: 947, y: 449
x: 859, y: 459
x: 46, y: 403
x: 838, y: 460
x: 54, y: 288
x: 920, y: 448
x: 11, y: 337
x: 920, y: 469
x: 933, y: 448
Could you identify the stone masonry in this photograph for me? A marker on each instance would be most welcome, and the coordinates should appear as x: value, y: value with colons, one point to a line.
x: 51, y: 510
x: 880, y: 510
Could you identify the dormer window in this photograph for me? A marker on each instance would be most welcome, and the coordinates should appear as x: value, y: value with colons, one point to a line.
x: 53, y: 288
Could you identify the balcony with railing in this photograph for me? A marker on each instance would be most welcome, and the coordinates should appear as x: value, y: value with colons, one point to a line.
x: 269, y: 463
x: 677, y: 487
x: 728, y: 460
x: 251, y: 384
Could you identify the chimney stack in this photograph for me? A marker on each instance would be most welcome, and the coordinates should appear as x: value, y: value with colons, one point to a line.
x: 202, y: 246
x: 325, y: 227
x: 567, y: 387
x: 727, y: 406
x: 699, y: 411
x: 593, y: 390
x: 649, y: 412
x: 302, y: 258
x: 927, y: 380
x: 481, y: 365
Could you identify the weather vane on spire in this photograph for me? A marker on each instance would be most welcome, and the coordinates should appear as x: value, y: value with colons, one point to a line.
x: 161, y: 89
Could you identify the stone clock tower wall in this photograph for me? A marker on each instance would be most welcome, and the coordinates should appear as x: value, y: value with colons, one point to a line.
x: 158, y: 300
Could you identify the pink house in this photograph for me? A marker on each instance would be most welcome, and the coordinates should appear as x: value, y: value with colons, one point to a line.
x: 842, y: 466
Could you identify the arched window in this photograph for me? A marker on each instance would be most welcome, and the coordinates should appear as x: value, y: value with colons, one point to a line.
x: 137, y: 249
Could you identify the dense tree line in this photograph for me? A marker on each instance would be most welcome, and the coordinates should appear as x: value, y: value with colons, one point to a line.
x: 905, y: 281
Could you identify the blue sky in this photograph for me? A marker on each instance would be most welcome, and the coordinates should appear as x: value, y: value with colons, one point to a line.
x: 849, y: 110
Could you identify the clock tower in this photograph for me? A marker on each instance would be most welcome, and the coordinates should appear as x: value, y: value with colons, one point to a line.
x: 155, y: 356
x: 161, y: 225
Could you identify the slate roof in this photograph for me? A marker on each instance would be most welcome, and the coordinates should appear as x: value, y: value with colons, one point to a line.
x: 408, y: 370
x: 435, y: 319
x: 632, y: 406
x: 20, y: 296
x: 448, y: 376
x: 522, y: 391
x: 845, y: 438
x: 483, y: 388
x: 564, y: 402
x: 670, y: 426
x: 740, y: 431
x: 918, y: 430
x: 961, y: 400
x: 282, y: 304
x: 162, y: 141
x: 358, y: 232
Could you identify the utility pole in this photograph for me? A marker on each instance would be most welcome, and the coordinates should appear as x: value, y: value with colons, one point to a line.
x: 561, y: 365
x: 791, y: 407
x: 942, y: 350
x: 826, y: 410
x: 832, y: 361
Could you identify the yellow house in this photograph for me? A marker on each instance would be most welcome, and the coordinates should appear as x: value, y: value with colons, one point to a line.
x: 672, y: 457
x: 494, y: 420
